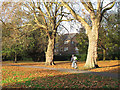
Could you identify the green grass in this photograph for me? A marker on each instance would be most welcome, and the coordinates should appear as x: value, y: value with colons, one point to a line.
x: 67, y: 81
x: 10, y: 79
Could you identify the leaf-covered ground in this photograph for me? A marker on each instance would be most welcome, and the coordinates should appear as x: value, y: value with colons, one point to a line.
x: 13, y: 74
x: 111, y: 66
x: 20, y: 77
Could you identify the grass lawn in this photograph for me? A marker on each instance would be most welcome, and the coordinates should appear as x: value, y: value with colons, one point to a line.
x: 20, y: 77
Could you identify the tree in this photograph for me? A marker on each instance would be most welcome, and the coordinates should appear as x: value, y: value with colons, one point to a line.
x: 10, y: 30
x: 52, y: 15
x: 37, y: 46
x: 15, y: 33
x: 109, y: 36
x: 11, y: 47
x: 20, y: 34
x: 91, y: 30
x: 82, y: 45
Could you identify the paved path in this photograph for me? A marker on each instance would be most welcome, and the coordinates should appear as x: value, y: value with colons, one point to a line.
x: 117, y: 76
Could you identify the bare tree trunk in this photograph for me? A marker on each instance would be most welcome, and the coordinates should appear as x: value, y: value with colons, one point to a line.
x: 15, y: 58
x: 50, y: 52
x: 92, y: 49
x: 104, y: 54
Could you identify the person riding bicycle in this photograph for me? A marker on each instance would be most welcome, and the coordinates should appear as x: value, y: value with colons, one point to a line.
x: 74, y: 61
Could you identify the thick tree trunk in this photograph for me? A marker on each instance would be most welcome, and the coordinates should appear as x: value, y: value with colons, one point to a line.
x: 92, y: 49
x: 50, y: 52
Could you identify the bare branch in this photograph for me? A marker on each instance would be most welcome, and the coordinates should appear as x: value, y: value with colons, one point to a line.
x: 62, y: 21
x: 113, y: 3
x: 42, y: 12
x: 65, y: 28
x: 77, y: 17
x: 85, y: 5
x: 2, y: 22
x: 101, y: 4
x: 107, y: 5
x: 27, y: 6
x: 25, y: 25
x: 51, y: 4
x: 90, y: 6
x: 47, y: 9
x: 98, y: 6
x: 101, y: 45
x: 36, y: 20
x: 25, y: 33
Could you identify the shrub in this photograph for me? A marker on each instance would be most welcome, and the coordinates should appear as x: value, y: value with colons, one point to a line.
x: 62, y: 57
x: 82, y: 57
